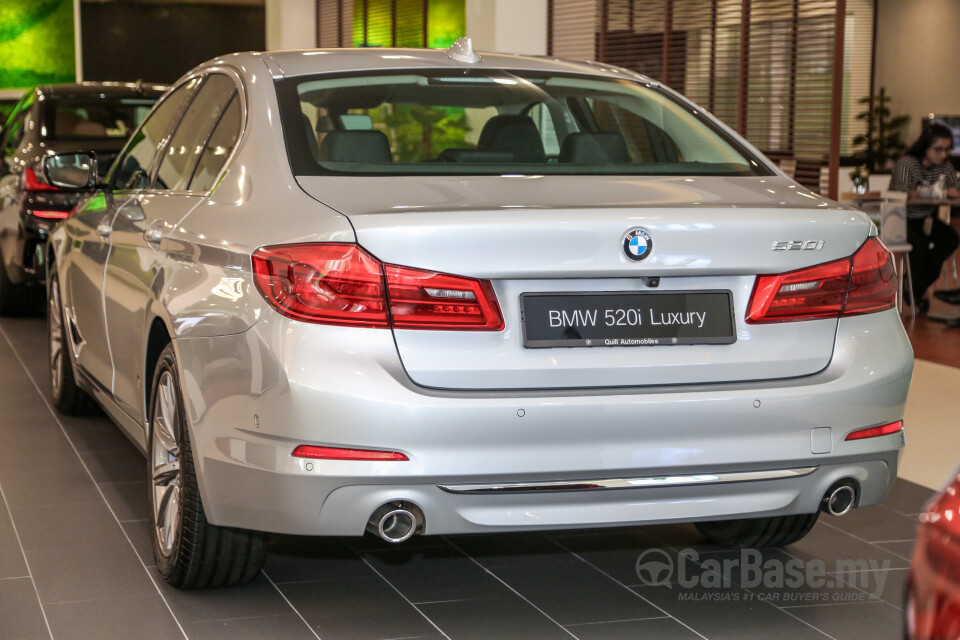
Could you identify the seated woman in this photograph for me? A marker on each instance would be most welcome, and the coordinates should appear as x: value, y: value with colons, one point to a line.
x: 925, y: 163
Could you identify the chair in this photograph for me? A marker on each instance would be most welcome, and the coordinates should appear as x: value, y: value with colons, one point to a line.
x: 788, y: 166
x: 893, y: 232
x: 514, y: 133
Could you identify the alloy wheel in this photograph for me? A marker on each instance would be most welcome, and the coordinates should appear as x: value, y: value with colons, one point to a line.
x: 165, y: 463
x: 55, y: 331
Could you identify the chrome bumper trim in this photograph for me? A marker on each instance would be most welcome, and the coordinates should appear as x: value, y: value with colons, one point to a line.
x: 644, y: 482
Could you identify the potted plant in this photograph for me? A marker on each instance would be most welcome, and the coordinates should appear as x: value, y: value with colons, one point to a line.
x: 883, y: 141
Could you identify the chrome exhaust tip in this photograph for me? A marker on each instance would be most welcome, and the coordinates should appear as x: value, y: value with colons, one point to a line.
x: 396, y: 522
x: 840, y: 499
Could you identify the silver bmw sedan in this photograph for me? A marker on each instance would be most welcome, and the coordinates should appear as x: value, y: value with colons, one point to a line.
x: 422, y: 292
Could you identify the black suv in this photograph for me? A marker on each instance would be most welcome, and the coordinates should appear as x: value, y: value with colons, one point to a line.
x: 97, y: 116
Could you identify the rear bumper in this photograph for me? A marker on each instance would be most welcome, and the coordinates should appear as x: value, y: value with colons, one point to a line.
x: 254, y: 396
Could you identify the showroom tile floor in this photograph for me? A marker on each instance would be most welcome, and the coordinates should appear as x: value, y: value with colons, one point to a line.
x: 75, y: 560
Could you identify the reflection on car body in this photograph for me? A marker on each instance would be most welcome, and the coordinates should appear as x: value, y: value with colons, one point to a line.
x: 315, y: 288
x: 93, y: 116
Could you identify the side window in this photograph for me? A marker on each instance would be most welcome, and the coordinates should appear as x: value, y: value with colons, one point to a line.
x: 133, y: 166
x: 217, y: 149
x: 189, y: 140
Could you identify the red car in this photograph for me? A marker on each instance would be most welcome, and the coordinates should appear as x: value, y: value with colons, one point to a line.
x: 933, y: 591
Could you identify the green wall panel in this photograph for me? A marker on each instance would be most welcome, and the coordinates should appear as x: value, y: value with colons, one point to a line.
x: 36, y: 43
x: 446, y: 21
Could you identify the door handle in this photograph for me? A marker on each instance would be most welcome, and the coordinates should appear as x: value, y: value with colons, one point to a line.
x: 154, y: 233
x: 104, y: 229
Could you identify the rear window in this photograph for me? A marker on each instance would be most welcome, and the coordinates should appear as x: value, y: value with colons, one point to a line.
x: 94, y: 117
x: 494, y: 122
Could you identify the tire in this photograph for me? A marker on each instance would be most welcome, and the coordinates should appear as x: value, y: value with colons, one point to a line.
x: 68, y: 398
x: 191, y: 553
x: 759, y: 532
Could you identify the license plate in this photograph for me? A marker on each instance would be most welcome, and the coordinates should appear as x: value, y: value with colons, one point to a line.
x: 627, y: 319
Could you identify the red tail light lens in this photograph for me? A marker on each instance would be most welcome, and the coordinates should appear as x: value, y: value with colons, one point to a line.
x: 51, y: 215
x: 873, y: 432
x: 427, y: 300
x: 32, y: 183
x: 863, y: 283
x: 326, y: 283
x: 339, y: 453
x: 342, y: 284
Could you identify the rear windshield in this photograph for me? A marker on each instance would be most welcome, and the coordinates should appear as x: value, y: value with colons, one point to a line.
x: 428, y: 122
x: 94, y: 117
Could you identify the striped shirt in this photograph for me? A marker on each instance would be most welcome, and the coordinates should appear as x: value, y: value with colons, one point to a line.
x: 909, y: 173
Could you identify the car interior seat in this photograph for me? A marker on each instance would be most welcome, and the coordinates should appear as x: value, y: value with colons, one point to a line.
x: 513, y: 133
x: 355, y: 146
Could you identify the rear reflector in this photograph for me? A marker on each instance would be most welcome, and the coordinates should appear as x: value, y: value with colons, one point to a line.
x: 864, y: 283
x: 342, y: 284
x: 51, y: 215
x: 337, y: 453
x: 873, y: 432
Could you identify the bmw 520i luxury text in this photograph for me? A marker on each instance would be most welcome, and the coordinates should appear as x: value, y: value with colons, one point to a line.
x: 434, y: 292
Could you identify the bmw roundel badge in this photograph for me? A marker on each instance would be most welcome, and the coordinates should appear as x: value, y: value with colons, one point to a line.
x: 637, y: 244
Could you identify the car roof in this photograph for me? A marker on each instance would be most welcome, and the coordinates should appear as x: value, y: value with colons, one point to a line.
x: 283, y: 64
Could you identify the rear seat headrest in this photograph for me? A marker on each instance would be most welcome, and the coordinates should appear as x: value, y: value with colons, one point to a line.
x: 594, y: 148
x: 355, y: 146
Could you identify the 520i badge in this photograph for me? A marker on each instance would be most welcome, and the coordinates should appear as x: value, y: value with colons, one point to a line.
x: 637, y: 244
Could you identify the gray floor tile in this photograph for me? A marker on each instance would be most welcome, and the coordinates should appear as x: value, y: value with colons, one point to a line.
x: 888, y: 586
x: 259, y: 598
x: 907, y: 498
x: 304, y: 558
x: 615, y: 554
x: 902, y: 549
x: 576, y: 593
x: 94, y: 433
x: 489, y: 618
x: 515, y: 549
x: 656, y: 629
x: 873, y: 621
x: 126, y: 465
x: 138, y: 531
x: 128, y: 500
x: 831, y: 545
x: 875, y: 524
x: 66, y: 575
x: 20, y: 613
x: 12, y: 564
x: 64, y: 484
x: 721, y: 613
x: 432, y: 574
x: 288, y: 626
x: 27, y: 447
x: 358, y: 608
x: 73, y: 526
x: 130, y: 618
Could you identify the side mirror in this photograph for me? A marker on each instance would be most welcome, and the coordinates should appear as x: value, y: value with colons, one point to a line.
x: 71, y: 170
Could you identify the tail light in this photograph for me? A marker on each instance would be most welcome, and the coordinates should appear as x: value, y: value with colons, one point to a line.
x: 863, y: 283
x: 32, y: 183
x: 342, y: 284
